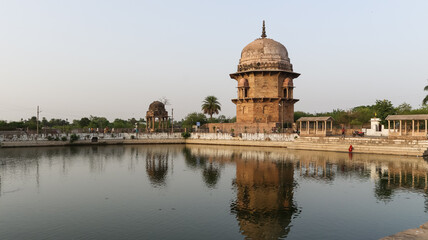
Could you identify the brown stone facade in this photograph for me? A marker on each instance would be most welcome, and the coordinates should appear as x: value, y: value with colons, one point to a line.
x: 243, y: 127
x: 264, y: 85
x: 267, y: 97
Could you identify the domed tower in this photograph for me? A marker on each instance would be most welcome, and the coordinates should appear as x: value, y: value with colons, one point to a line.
x: 265, y: 83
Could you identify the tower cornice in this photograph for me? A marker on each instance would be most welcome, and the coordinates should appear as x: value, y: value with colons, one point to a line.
x: 264, y: 71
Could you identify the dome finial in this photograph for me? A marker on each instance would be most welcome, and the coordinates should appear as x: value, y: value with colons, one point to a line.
x: 264, y: 30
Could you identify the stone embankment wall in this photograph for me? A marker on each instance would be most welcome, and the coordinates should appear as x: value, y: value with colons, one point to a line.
x: 45, y: 143
x: 86, y: 136
x: 30, y: 140
x: 245, y: 136
x: 368, y: 145
x: 334, y: 144
x: 363, y: 145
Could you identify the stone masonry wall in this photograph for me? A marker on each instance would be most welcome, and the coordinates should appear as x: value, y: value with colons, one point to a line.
x: 245, y: 136
x: 83, y: 136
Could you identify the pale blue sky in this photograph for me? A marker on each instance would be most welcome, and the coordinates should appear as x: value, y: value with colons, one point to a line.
x: 113, y: 58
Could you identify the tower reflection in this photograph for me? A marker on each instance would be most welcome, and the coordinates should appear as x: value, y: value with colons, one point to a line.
x: 264, y: 204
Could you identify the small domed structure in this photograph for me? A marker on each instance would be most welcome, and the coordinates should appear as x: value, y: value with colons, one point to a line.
x: 157, y: 111
x: 157, y: 108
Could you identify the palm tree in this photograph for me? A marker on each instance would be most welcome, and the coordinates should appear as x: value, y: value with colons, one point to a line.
x: 211, y: 106
x: 424, y: 102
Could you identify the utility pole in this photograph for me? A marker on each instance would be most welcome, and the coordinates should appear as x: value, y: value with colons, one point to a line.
x: 37, y: 122
x: 172, y: 120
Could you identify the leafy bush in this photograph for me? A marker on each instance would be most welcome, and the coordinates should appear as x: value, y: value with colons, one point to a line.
x: 64, y: 138
x: 132, y: 137
x: 50, y: 138
x: 74, y: 137
x: 185, y: 135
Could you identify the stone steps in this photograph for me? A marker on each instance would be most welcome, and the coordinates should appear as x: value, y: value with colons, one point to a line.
x: 411, y: 150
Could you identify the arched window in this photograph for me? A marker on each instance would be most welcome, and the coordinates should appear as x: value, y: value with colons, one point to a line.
x: 265, y: 109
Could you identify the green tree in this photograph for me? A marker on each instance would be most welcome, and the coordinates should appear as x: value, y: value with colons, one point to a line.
x: 232, y: 120
x: 45, y: 122
x: 120, y: 123
x: 223, y: 119
x: 192, y: 118
x: 384, y: 108
x: 4, y: 125
x: 84, y: 122
x: 211, y: 106
x: 299, y: 114
x: 361, y: 114
x: 132, y: 121
x: 98, y: 122
x: 404, y: 108
x: 422, y: 110
x: 424, y: 102
x: 31, y: 123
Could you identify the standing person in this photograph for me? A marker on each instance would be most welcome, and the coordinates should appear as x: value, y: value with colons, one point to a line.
x: 343, y: 132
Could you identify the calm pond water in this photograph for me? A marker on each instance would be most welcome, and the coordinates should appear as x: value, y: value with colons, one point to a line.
x: 207, y: 192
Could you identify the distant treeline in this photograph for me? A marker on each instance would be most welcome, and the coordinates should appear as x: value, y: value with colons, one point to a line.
x: 356, y: 116
x: 91, y: 122
x: 102, y: 122
x: 361, y: 115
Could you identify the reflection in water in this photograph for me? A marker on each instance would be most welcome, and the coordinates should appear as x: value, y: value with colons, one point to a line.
x: 157, y: 166
x: 392, y: 177
x: 264, y: 200
x: 193, y: 161
x: 265, y: 180
x: 210, y: 165
x: 264, y: 204
x: 211, y: 174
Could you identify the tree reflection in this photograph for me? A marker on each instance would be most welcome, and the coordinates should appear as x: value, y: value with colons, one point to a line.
x: 157, y: 167
x: 211, y: 175
x: 193, y: 161
x: 211, y: 168
x: 382, y: 190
